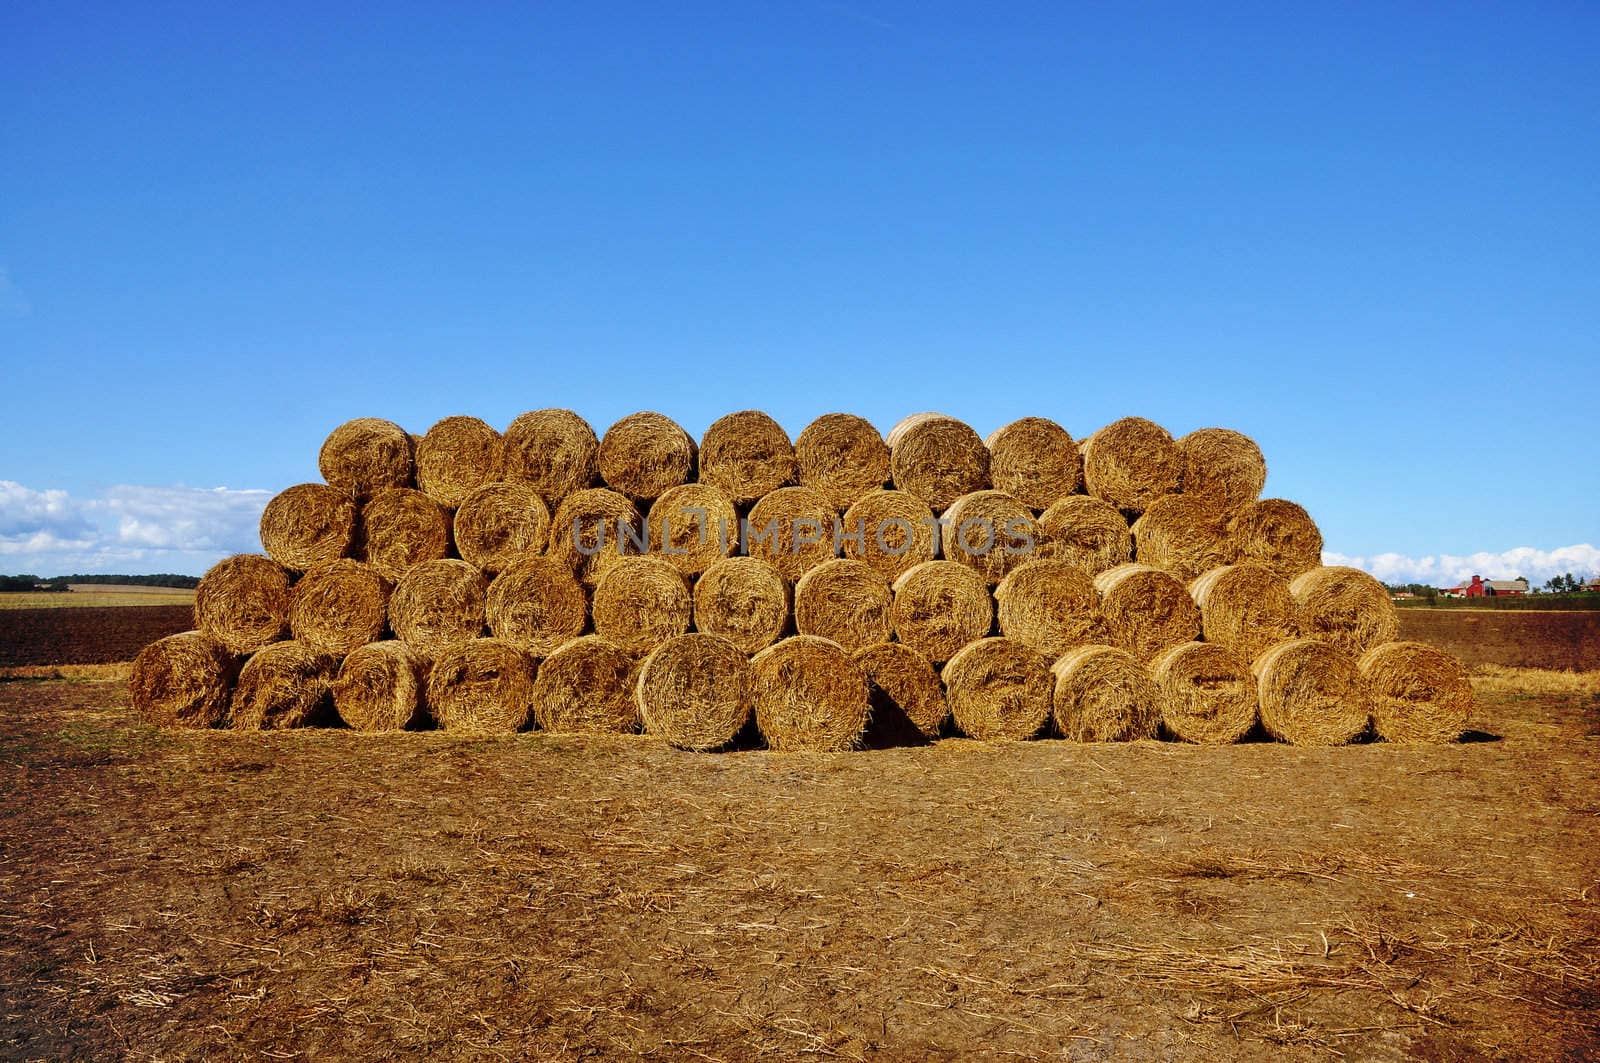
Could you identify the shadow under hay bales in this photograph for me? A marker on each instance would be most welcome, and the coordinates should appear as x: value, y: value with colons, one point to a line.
x: 888, y: 726
x: 1479, y: 736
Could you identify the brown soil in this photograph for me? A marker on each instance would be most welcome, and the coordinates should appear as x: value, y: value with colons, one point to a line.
x: 1555, y: 639
x: 90, y: 635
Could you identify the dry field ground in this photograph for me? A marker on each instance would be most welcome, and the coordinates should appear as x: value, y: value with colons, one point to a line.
x: 95, y: 596
x: 321, y: 895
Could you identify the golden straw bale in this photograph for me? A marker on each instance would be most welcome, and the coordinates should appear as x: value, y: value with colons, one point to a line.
x: 742, y: 599
x: 458, y: 456
x: 243, y: 602
x: 307, y: 525
x: 183, y: 680
x: 892, y: 531
x: 436, y: 604
x: 1207, y: 693
x: 644, y: 454
x: 1222, y: 465
x: 793, y: 527
x: 1419, y: 693
x: 848, y: 602
x: 482, y: 686
x: 693, y: 526
x: 1049, y: 605
x: 592, y: 528
x: 363, y: 456
x: 695, y: 691
x: 746, y: 455
x: 586, y: 687
x: 1311, y: 694
x: 381, y: 687
x: 339, y: 607
x: 937, y: 458
x: 810, y: 695
x: 990, y: 532
x: 1186, y: 536
x: 640, y: 603
x: 1278, y: 533
x: 1035, y: 461
x: 1345, y: 607
x: 1103, y: 694
x: 399, y: 528
x: 1146, y: 610
x: 284, y: 685
x: 1088, y: 532
x: 555, y: 452
x: 842, y: 456
x: 1245, y: 607
x: 903, y: 682
x: 1131, y: 463
x: 939, y: 607
x: 999, y: 689
x: 499, y: 523
x: 536, y: 604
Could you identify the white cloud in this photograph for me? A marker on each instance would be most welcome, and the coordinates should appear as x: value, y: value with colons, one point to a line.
x: 1447, y: 570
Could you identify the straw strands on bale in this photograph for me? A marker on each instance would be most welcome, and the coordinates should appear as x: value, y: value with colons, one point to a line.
x: 937, y: 458
x: 1345, y: 607
x: 307, y: 525
x: 848, y: 602
x: 536, y: 604
x: 456, y: 457
x: 842, y: 456
x: 401, y: 527
x: 644, y: 454
x: 243, y: 602
x: 695, y: 691
x: 339, y: 606
x: 1086, y: 531
x: 1207, y: 693
x: 641, y: 602
x: 743, y: 599
x: 990, y: 532
x: 482, y: 686
x: 902, y: 682
x: 552, y: 451
x: 586, y: 687
x: 890, y: 530
x: 281, y: 686
x: 792, y: 527
x: 1222, y: 465
x: 809, y: 695
x: 1419, y: 693
x: 939, y: 607
x: 500, y: 522
x: 183, y: 680
x: 1245, y: 607
x: 1311, y: 694
x: 436, y: 604
x: 1049, y: 605
x: 693, y: 526
x: 999, y: 689
x: 1278, y: 533
x: 592, y: 528
x: 1034, y: 460
x: 1131, y: 463
x: 1103, y: 694
x: 1146, y: 610
x: 363, y: 456
x: 1186, y: 536
x: 745, y: 455
x: 381, y: 687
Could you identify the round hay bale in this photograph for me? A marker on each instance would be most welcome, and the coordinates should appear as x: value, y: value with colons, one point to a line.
x: 284, y: 685
x: 1207, y: 693
x: 1131, y: 463
x: 1035, y: 461
x: 436, y: 604
x: 746, y: 455
x: 842, y: 456
x: 939, y: 607
x: 363, y: 456
x: 482, y: 686
x: 793, y: 527
x: 1245, y: 607
x: 1345, y: 607
x: 537, y: 605
x: 744, y: 600
x: 809, y: 694
x: 183, y: 680
x: 339, y: 607
x: 592, y: 528
x: 640, y: 603
x: 1311, y: 694
x: 990, y: 532
x: 307, y: 525
x: 644, y: 454
x: 552, y: 451
x: 499, y: 523
x: 380, y: 687
x: 695, y: 691
x: 1086, y: 531
x: 999, y: 690
x: 456, y: 457
x: 1186, y: 536
x: 692, y: 527
x: 1049, y: 605
x: 902, y: 683
x: 937, y: 458
x: 1146, y: 610
x: 401, y: 527
x: 1419, y: 692
x: 892, y: 531
x: 586, y: 687
x: 844, y: 601
x: 243, y: 602
x: 1103, y: 694
x: 1278, y: 533
x: 1222, y: 465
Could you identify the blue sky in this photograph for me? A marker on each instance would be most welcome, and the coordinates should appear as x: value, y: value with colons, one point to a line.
x: 1367, y: 235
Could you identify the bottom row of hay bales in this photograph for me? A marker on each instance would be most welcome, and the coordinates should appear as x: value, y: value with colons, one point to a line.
x: 699, y: 691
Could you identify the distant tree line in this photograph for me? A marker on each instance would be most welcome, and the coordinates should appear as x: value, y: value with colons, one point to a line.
x: 1566, y: 583
x: 30, y: 582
